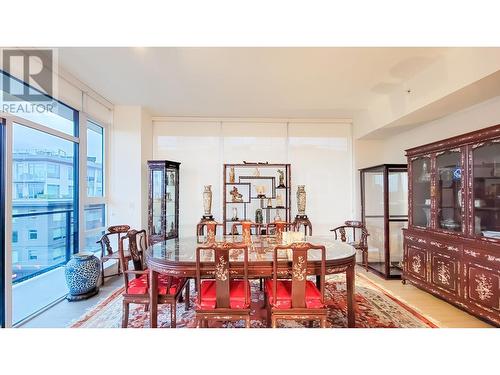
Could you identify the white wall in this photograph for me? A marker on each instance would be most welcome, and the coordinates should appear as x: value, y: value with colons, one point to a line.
x: 320, y: 155
x: 392, y: 150
x: 131, y: 147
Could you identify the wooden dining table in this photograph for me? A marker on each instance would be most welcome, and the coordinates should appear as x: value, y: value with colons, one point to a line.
x: 177, y: 257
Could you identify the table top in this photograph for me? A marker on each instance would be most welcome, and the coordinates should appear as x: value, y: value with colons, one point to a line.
x: 261, y: 249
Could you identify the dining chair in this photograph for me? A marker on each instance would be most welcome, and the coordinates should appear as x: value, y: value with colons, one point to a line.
x: 354, y: 233
x: 246, y: 229
x: 225, y: 297
x: 113, y: 234
x: 210, y: 227
x: 296, y: 298
x: 277, y: 228
x: 137, y: 281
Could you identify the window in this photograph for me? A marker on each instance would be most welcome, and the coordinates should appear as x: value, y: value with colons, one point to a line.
x: 53, y: 170
x: 95, y: 222
x: 33, y: 234
x: 15, y: 236
x: 32, y: 254
x: 35, y: 190
x: 95, y: 158
x: 53, y: 191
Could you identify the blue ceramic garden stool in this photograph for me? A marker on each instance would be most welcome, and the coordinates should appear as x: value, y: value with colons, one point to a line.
x: 82, y: 274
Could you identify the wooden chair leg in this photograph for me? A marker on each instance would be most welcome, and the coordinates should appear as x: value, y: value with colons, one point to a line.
x: 366, y: 259
x: 146, y: 307
x: 102, y: 273
x: 247, y: 321
x: 186, y: 295
x: 173, y: 314
x: 311, y: 323
x: 125, y: 315
x: 323, y: 322
x: 260, y: 284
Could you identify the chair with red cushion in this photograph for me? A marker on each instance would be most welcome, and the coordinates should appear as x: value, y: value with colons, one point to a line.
x: 223, y: 297
x: 211, y: 228
x: 296, y: 298
x: 137, y: 286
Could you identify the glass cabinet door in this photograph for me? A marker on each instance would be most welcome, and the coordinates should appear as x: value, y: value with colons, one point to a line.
x: 171, y: 202
x: 398, y: 218
x: 157, y: 193
x: 373, y: 185
x: 486, y: 194
x: 421, y: 194
x: 449, y: 191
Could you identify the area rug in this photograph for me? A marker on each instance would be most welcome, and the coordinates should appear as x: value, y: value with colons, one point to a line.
x: 375, y: 308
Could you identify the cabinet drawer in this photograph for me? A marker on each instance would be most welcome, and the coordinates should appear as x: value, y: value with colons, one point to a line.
x: 482, y: 286
x: 445, y: 247
x: 416, y: 262
x: 444, y: 272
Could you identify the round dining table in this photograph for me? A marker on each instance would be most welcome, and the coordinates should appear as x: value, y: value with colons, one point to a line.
x: 177, y: 257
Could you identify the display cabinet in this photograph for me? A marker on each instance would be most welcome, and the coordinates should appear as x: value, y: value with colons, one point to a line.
x: 163, y: 206
x: 259, y: 192
x: 384, y: 211
x: 452, y: 244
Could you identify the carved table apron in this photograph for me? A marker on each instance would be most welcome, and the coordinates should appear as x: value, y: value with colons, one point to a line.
x: 176, y: 257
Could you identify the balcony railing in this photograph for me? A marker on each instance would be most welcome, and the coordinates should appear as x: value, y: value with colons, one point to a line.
x: 35, y: 255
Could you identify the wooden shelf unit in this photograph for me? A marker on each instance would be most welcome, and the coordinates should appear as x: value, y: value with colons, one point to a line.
x: 244, y: 175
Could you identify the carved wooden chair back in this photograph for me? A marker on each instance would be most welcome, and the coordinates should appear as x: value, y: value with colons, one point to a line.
x: 246, y: 229
x: 222, y: 270
x: 105, y: 240
x: 137, y: 245
x: 211, y: 230
x: 352, y: 231
x: 279, y: 227
x: 299, y: 253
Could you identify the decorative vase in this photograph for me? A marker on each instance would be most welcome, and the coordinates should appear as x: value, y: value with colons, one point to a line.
x: 301, y: 199
x: 235, y: 214
x: 82, y: 274
x: 207, y: 200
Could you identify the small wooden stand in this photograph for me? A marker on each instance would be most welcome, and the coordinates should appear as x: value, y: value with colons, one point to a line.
x: 303, y: 220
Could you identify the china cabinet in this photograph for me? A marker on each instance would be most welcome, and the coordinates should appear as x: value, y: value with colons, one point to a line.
x: 163, y: 206
x: 384, y: 211
x: 256, y: 192
x: 452, y: 244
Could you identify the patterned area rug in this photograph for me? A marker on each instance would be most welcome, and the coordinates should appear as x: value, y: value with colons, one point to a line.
x: 374, y: 309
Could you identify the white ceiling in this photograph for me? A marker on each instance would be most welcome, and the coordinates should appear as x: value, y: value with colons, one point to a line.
x: 246, y: 82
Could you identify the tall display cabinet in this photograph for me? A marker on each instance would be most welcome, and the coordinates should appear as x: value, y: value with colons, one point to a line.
x: 384, y: 210
x: 163, y: 207
x: 452, y: 244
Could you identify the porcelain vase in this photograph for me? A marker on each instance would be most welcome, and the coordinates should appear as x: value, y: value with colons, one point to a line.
x: 207, y: 200
x: 82, y: 274
x: 301, y: 199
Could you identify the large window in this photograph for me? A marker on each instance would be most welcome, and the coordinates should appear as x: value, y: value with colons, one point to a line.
x: 95, y: 210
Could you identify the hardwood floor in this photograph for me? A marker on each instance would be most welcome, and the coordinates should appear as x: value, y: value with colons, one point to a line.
x: 435, y: 309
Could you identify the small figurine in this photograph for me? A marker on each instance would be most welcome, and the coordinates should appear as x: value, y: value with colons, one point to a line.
x: 279, y: 201
x: 236, y: 196
x: 277, y: 217
x: 261, y: 191
x: 231, y: 175
x: 256, y: 173
x: 235, y: 214
x: 282, y: 179
x: 258, y: 216
x: 269, y: 202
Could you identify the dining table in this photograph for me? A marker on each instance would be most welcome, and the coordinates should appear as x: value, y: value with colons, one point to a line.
x: 177, y: 257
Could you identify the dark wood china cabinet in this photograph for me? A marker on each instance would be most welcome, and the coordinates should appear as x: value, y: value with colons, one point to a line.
x: 452, y: 244
x: 163, y: 205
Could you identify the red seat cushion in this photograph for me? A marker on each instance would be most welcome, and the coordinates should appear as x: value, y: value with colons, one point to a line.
x: 236, y: 294
x: 140, y: 285
x: 284, y: 294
